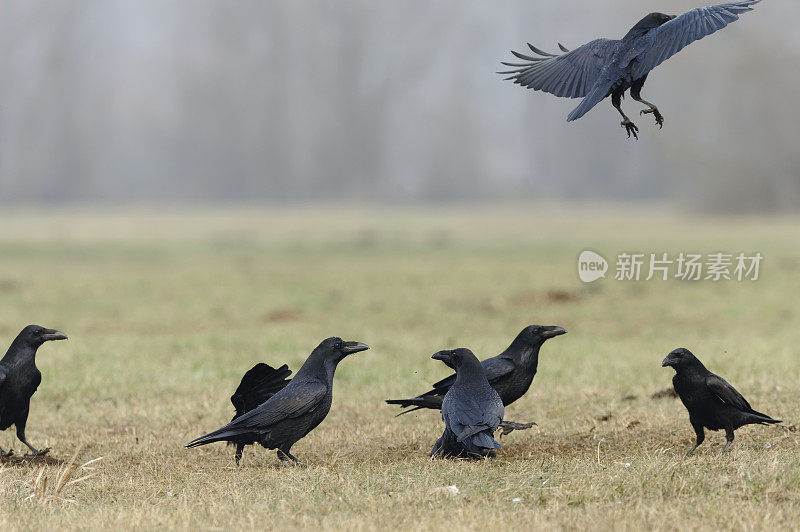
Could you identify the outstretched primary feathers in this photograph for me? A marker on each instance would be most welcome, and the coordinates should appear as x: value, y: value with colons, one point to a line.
x: 606, y: 67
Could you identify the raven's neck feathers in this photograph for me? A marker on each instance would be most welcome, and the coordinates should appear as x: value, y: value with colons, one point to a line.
x: 19, y: 353
x: 317, y: 366
x: 695, y: 368
x: 470, y: 373
x: 523, y: 351
x: 642, y: 27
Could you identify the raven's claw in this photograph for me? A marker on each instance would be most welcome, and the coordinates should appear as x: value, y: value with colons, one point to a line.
x: 630, y: 128
x: 39, y: 453
x: 656, y: 113
x: 7, y: 454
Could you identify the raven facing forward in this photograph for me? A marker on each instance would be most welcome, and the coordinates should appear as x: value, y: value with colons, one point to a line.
x: 606, y: 67
x: 712, y: 403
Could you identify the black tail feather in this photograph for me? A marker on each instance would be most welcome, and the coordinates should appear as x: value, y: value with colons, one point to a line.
x: 433, y: 402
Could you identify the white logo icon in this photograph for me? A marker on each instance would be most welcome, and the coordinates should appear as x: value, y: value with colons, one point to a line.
x: 591, y: 266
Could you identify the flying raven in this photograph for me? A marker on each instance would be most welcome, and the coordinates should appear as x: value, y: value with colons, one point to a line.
x: 606, y: 67
x: 294, y: 411
x: 19, y: 379
x: 471, y: 409
x: 510, y: 373
x: 712, y: 403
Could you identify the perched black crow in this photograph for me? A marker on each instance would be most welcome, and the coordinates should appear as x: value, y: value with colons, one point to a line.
x: 295, y: 410
x: 510, y: 373
x: 712, y: 402
x: 607, y: 67
x: 471, y: 409
x: 19, y: 379
x: 260, y: 383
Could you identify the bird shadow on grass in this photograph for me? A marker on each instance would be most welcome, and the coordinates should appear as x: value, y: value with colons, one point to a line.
x: 27, y: 461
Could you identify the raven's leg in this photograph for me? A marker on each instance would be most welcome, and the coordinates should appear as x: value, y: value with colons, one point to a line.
x: 21, y: 437
x: 285, y: 456
x: 701, y: 435
x: 239, y: 449
x: 636, y: 94
x: 630, y: 127
x: 507, y: 427
x: 728, y: 439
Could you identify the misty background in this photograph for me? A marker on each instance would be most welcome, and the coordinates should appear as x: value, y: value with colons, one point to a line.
x: 148, y: 101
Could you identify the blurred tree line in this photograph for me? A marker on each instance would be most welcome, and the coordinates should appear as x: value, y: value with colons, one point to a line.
x: 199, y: 100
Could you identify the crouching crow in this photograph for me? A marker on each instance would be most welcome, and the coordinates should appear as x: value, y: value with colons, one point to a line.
x: 472, y: 410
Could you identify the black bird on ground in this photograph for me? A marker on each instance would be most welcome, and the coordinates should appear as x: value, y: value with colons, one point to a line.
x: 712, y: 403
x: 260, y: 383
x: 295, y: 410
x: 606, y: 67
x: 19, y: 379
x: 471, y: 410
x: 510, y: 373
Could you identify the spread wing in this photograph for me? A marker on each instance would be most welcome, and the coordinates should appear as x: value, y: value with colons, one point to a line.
x: 569, y: 75
x: 673, y: 36
x: 495, y: 368
x: 727, y: 393
x: 260, y: 383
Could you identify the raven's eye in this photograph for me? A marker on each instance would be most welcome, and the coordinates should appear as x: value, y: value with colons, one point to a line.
x: 38, y: 331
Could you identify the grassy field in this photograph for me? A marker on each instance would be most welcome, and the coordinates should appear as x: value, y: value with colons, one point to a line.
x: 166, y: 309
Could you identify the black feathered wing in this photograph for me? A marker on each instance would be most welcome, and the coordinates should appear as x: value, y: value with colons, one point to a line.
x: 727, y: 393
x: 730, y: 396
x: 673, y: 36
x: 260, y: 383
x: 569, y: 75
x: 291, y: 402
x: 472, y: 423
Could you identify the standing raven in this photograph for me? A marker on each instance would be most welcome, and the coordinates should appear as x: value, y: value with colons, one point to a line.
x: 510, y: 373
x: 19, y: 379
x: 294, y: 411
x: 607, y: 67
x: 260, y: 383
x: 471, y: 409
x: 712, y: 402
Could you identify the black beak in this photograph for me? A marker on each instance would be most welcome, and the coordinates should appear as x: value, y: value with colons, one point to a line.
x: 667, y: 362
x: 52, y: 334
x: 348, y: 348
x: 553, y: 331
x: 444, y: 356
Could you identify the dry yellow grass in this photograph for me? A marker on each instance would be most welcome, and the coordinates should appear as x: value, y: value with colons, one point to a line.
x: 166, y: 310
